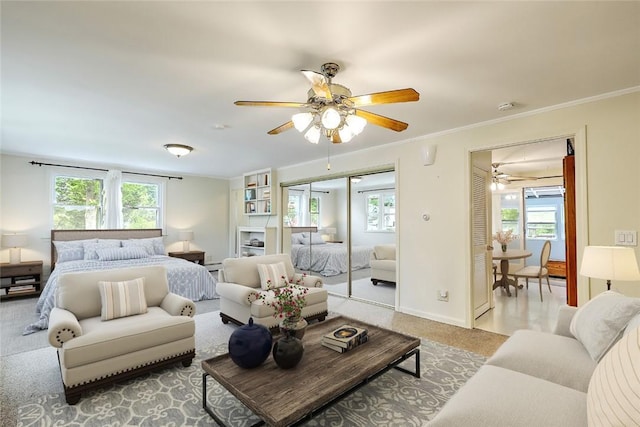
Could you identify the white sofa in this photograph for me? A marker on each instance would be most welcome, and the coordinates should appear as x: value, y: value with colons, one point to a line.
x: 555, y: 379
x: 239, y: 286
x: 93, y: 352
x: 383, y: 264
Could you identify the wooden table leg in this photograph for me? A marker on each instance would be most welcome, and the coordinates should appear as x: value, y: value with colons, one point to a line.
x: 504, y: 281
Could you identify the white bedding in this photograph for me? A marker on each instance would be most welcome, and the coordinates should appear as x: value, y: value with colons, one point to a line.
x: 185, y: 278
x: 329, y: 259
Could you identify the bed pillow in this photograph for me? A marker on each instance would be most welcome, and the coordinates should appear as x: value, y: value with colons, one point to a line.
x: 70, y: 254
x: 145, y: 245
x: 90, y: 248
x: 600, y: 323
x: 121, y: 299
x: 70, y: 250
x: 119, y: 254
x: 296, y: 238
x: 313, y: 239
x: 273, y: 275
x: 156, y: 242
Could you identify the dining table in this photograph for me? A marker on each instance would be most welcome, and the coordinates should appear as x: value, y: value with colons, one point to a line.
x: 504, y: 257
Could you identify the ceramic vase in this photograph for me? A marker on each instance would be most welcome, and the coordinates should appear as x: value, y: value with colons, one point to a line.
x: 295, y: 326
x: 250, y: 345
x: 287, y: 351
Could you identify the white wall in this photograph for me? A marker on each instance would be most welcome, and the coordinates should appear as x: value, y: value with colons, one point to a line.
x: 436, y: 254
x: 195, y: 203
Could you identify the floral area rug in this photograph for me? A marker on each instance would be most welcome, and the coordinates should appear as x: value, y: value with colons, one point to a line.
x: 173, y: 397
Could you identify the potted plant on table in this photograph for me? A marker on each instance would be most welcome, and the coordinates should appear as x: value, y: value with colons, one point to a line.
x: 288, y: 302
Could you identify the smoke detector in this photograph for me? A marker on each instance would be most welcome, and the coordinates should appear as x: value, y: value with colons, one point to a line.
x: 506, y: 106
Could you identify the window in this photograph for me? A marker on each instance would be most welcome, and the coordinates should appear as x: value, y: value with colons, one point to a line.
x: 298, y: 214
x: 542, y: 222
x: 77, y: 203
x: 381, y: 212
x: 509, y: 218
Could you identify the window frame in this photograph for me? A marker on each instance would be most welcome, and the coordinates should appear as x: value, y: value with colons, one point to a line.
x: 101, y: 175
x: 382, y: 196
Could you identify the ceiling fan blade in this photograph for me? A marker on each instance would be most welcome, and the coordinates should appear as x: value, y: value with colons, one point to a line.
x: 383, y: 121
x: 271, y: 104
x: 318, y: 83
x: 281, y: 128
x: 335, y: 138
x: 388, y: 97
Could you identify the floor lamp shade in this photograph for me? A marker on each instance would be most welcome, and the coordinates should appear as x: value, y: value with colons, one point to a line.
x: 186, y: 237
x: 14, y: 242
x: 609, y: 263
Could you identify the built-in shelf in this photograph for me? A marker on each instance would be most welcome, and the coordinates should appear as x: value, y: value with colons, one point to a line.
x: 256, y: 241
x: 259, y: 198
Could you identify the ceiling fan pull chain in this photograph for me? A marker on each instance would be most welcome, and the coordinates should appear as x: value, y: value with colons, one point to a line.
x: 329, y: 157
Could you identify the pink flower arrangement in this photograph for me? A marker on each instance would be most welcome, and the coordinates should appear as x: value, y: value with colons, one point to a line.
x: 287, y: 301
x: 505, y: 237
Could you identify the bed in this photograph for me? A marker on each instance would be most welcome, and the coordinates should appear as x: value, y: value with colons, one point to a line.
x: 309, y: 252
x: 86, y: 250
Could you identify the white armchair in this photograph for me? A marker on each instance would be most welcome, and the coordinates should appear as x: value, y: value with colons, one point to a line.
x: 383, y: 264
x: 94, y: 350
x: 239, y: 288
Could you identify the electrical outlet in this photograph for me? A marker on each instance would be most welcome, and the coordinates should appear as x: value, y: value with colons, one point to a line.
x: 443, y: 295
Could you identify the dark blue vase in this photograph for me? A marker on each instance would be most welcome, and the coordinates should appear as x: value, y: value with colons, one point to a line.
x: 250, y: 345
x: 287, y: 351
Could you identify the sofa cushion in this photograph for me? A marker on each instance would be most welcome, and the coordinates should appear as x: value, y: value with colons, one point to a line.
x: 273, y: 276
x: 244, y: 271
x: 104, y: 340
x: 601, y: 321
x: 614, y: 391
x: 554, y: 358
x: 121, y: 299
x: 501, y: 397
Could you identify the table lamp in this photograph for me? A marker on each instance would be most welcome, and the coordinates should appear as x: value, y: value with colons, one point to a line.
x: 15, y: 242
x: 185, y: 236
x: 609, y: 263
x: 331, y: 231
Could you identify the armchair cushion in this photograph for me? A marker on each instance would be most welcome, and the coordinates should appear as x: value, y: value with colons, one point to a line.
x: 273, y: 275
x: 121, y: 299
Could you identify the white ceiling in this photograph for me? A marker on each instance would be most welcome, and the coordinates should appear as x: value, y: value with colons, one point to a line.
x: 112, y: 82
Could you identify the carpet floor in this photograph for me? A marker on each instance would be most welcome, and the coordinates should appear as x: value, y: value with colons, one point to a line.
x: 173, y: 396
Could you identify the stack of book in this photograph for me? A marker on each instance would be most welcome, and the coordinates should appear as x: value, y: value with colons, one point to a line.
x: 345, y: 338
x: 21, y: 289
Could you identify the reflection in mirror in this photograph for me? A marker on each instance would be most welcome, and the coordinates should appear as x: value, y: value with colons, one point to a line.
x: 323, y: 241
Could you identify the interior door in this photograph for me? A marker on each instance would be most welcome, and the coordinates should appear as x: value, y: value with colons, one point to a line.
x: 481, y: 239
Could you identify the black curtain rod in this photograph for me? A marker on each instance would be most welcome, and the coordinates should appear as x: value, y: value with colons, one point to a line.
x: 102, y: 170
x: 376, y: 189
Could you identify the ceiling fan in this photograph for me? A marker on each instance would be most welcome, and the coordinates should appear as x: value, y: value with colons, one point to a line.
x: 332, y: 111
x: 505, y: 178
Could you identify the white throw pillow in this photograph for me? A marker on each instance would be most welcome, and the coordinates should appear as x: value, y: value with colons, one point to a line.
x: 146, y: 245
x: 273, y: 275
x: 70, y: 254
x: 613, y: 397
x: 601, y: 321
x: 121, y: 299
x: 156, y: 243
x: 313, y: 239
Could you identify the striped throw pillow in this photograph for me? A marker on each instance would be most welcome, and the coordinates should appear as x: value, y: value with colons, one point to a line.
x: 121, y: 299
x: 119, y: 254
x: 613, y: 397
x: 273, y: 275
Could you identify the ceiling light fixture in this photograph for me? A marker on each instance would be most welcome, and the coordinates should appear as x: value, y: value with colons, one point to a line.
x: 356, y: 179
x: 506, y: 106
x: 178, y: 150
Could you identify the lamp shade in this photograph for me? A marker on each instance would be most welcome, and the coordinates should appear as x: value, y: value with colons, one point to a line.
x: 185, y: 235
x: 14, y: 240
x: 330, y: 230
x: 609, y: 263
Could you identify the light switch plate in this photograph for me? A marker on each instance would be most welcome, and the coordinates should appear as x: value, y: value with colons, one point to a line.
x: 626, y: 238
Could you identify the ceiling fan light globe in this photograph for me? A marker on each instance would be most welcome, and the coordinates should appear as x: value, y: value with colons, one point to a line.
x: 330, y: 118
x: 313, y: 135
x: 301, y: 121
x: 345, y: 133
x: 500, y: 186
x: 494, y: 186
x: 356, y: 124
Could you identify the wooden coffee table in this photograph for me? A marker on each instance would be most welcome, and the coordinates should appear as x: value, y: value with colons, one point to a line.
x: 283, y: 397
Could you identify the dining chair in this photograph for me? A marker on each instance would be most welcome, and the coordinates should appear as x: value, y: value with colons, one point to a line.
x: 533, y: 271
